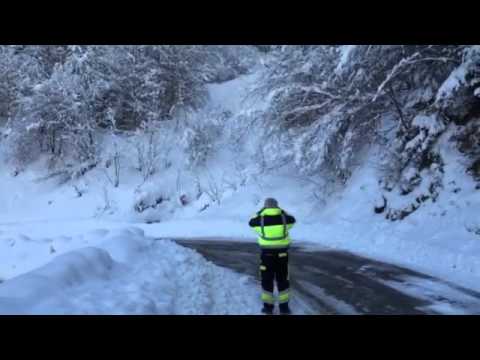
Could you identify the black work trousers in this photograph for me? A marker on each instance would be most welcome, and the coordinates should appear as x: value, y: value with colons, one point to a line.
x: 274, y: 268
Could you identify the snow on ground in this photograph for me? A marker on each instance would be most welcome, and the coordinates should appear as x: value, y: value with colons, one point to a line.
x: 331, y: 301
x: 231, y: 95
x: 126, y: 273
x: 444, y: 297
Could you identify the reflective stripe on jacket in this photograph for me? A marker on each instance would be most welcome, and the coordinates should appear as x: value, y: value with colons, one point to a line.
x: 272, y: 226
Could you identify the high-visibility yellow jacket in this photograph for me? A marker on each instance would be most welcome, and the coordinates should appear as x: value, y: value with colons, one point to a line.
x: 272, y: 226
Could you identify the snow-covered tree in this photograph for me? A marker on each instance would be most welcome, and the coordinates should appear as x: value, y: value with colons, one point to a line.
x: 93, y: 87
x: 19, y: 74
x: 58, y: 118
x: 328, y: 101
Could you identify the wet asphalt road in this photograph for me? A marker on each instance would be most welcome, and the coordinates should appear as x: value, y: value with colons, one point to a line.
x: 337, y: 282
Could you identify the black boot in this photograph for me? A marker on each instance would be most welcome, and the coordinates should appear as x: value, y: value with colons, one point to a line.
x: 285, y: 309
x: 267, y: 309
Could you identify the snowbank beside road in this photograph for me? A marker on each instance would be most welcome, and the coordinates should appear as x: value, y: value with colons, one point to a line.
x: 25, y: 293
x: 127, y: 273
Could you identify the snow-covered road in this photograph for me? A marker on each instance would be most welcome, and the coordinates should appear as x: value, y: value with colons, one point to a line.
x: 337, y: 282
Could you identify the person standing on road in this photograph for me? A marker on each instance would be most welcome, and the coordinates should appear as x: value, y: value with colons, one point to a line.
x: 272, y: 225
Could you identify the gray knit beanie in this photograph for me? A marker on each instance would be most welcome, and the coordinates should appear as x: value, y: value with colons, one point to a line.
x: 271, y: 203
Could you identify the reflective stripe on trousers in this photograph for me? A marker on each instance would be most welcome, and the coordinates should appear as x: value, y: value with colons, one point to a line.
x: 284, y: 296
x: 267, y: 297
